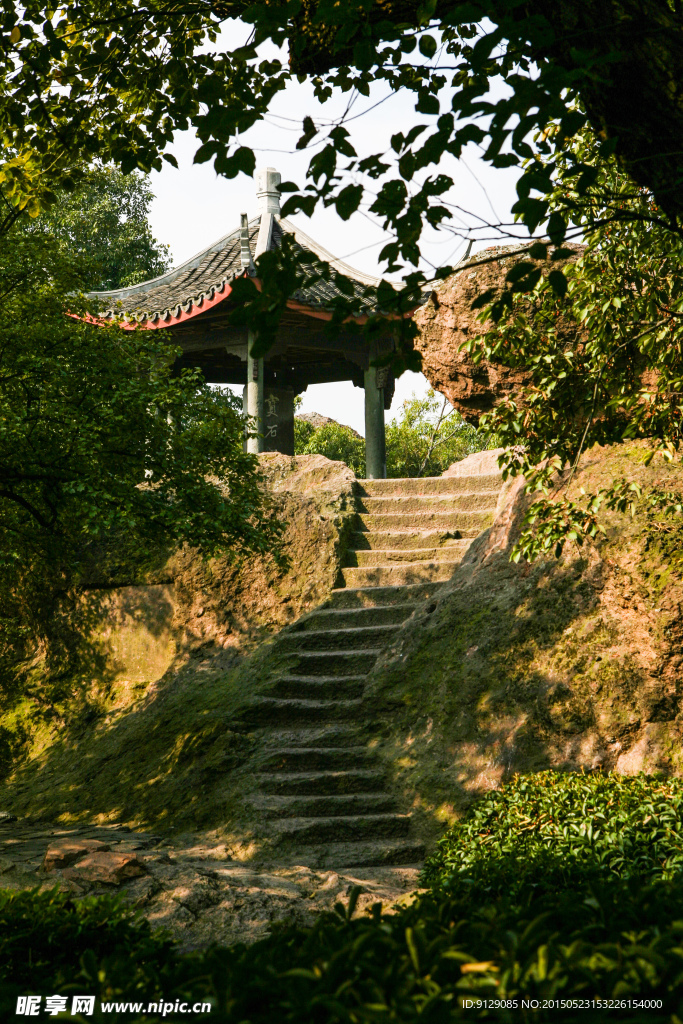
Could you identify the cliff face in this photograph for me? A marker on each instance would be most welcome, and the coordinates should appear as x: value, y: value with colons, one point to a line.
x: 447, y: 320
x: 565, y: 663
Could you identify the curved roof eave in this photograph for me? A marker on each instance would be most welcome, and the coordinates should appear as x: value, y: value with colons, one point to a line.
x: 304, y: 240
x: 171, y: 275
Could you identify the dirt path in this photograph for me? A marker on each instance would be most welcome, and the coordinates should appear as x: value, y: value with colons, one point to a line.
x: 188, y: 884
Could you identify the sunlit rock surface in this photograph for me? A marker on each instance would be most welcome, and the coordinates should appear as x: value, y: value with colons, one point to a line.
x: 447, y: 320
x: 569, y: 663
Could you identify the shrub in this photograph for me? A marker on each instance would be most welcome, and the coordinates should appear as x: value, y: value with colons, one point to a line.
x: 52, y: 944
x: 556, y: 831
x: 303, y: 432
x: 421, y: 964
x: 338, y: 442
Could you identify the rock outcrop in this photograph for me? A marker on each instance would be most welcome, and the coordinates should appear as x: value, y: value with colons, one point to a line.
x: 447, y: 320
x: 569, y: 663
x: 317, y: 420
x: 167, y: 665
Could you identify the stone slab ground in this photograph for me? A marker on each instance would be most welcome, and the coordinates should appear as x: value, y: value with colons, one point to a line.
x: 187, y: 885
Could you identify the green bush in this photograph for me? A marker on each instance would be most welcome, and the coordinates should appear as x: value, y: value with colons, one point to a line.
x: 303, y: 432
x: 51, y: 944
x: 556, y: 831
x: 621, y: 941
x: 423, y: 964
x: 553, y: 894
x: 339, y: 443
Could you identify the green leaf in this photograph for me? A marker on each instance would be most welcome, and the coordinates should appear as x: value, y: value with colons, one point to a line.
x: 427, y: 104
x: 309, y: 133
x: 558, y: 282
x: 348, y: 200
x: 205, y: 152
x: 427, y: 46
x: 557, y: 228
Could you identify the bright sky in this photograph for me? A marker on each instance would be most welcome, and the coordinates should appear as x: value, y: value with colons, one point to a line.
x: 194, y: 207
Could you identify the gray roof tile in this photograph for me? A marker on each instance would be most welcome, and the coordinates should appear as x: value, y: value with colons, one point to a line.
x: 203, y: 280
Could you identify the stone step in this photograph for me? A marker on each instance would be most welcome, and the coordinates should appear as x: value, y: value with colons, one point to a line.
x: 339, y: 618
x: 382, y: 596
x: 322, y: 783
x: 334, y: 663
x: 452, y: 553
x: 341, y: 828
x: 305, y: 734
x: 319, y: 687
x: 377, y: 853
x: 470, y: 524
x: 310, y: 759
x: 428, y: 503
x: 405, y: 540
x: 409, y: 572
x: 431, y: 485
x: 322, y: 806
x: 346, y: 639
x: 271, y: 710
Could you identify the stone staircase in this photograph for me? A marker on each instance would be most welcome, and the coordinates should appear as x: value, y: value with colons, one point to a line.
x: 322, y: 795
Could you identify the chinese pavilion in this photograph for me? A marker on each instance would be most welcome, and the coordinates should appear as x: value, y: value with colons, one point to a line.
x: 192, y: 303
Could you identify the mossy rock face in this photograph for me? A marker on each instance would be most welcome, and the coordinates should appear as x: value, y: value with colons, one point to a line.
x: 565, y: 663
x: 150, y: 732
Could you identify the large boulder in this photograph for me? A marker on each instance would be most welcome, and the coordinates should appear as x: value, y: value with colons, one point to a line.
x: 568, y: 663
x: 447, y: 320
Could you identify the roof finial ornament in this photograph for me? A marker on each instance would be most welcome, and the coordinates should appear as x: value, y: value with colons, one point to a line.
x: 267, y: 192
x: 245, y: 248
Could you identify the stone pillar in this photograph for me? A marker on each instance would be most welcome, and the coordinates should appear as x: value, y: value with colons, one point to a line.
x: 375, y: 442
x: 267, y: 191
x: 279, y: 420
x: 255, y: 398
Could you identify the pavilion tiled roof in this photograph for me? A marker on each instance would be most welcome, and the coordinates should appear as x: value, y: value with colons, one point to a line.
x: 206, y: 279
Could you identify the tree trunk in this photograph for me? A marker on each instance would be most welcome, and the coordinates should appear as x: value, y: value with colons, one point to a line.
x: 638, y: 45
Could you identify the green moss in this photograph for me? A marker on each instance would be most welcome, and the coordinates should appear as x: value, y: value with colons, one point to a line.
x: 527, y: 667
x: 176, y: 756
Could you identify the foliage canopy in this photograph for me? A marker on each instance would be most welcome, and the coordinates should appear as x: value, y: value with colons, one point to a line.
x: 104, y: 223
x: 603, y: 356
x: 102, y: 448
x: 115, y: 80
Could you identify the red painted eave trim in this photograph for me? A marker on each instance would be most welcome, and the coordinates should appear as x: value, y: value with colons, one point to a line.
x: 197, y: 310
x: 161, y: 323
